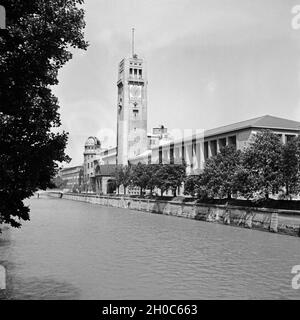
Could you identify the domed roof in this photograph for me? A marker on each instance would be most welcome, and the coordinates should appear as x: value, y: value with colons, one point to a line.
x: 92, y: 141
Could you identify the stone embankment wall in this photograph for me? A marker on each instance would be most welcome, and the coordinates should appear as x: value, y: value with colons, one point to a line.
x: 252, y: 218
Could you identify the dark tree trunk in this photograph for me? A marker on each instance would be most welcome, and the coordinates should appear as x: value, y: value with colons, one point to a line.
x: 267, y: 195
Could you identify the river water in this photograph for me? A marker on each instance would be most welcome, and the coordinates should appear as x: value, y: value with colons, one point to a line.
x: 75, y: 250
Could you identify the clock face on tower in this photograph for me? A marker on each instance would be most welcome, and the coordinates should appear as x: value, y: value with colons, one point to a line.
x: 135, y: 91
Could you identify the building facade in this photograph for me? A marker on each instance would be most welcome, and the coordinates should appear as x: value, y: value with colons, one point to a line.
x: 73, y: 177
x: 132, y: 109
x: 92, y: 150
x: 195, y: 149
x: 134, y: 145
x: 104, y: 177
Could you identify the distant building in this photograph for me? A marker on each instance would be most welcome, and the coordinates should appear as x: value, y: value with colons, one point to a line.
x: 108, y: 156
x: 92, y: 149
x: 195, y: 149
x: 73, y: 177
x: 159, y: 134
x: 134, y: 145
x: 132, y: 109
x: 104, y: 177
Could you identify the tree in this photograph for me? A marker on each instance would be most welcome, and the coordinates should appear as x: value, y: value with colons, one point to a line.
x: 290, y: 166
x: 219, y: 172
x: 244, y: 181
x: 36, y: 45
x: 59, y: 183
x: 76, y: 188
x: 191, y: 185
x: 127, y: 176
x: 119, y: 177
x: 152, y: 176
x: 140, y: 176
x: 170, y: 176
x: 262, y: 161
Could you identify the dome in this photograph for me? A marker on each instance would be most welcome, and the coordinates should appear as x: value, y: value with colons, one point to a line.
x: 92, y: 141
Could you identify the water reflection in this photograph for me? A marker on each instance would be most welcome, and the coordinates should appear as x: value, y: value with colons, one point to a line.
x: 73, y: 250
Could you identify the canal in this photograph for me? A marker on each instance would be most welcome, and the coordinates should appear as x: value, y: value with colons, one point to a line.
x: 75, y: 250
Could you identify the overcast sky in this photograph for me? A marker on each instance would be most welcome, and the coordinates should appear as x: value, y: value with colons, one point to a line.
x: 210, y: 63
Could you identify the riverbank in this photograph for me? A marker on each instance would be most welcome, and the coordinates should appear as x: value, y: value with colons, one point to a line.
x: 264, y: 219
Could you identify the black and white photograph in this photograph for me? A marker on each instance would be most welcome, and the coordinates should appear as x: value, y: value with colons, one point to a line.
x: 149, y: 151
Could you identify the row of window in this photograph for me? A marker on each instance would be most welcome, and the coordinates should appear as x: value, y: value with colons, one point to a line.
x: 288, y: 137
x: 210, y: 147
x: 135, y: 63
x: 212, y: 144
x: 90, y: 165
x: 135, y: 73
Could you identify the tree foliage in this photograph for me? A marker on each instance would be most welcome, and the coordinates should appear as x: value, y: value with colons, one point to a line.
x: 140, y: 176
x: 59, y: 183
x: 219, y: 172
x: 123, y: 176
x: 170, y: 176
x: 192, y: 185
x: 37, y: 44
x: 151, y: 176
x: 262, y: 160
x: 290, y: 166
x: 265, y: 166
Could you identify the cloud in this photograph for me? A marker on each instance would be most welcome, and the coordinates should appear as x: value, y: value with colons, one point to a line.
x: 210, y: 63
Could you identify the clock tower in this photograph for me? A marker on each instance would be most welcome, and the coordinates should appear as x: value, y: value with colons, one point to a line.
x: 132, y: 109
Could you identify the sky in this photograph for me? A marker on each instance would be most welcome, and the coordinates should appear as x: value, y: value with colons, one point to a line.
x: 209, y: 63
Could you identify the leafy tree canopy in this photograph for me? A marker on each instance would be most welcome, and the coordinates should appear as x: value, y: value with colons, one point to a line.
x: 219, y: 172
x: 140, y: 176
x: 170, y: 176
x: 290, y: 166
x: 37, y: 44
x: 262, y: 159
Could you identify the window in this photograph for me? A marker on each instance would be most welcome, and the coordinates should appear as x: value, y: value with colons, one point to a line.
x: 194, y: 147
x: 172, y: 153
x: 213, y: 147
x: 222, y: 143
x: 135, y: 113
x: 140, y: 74
x: 232, y: 141
x: 160, y: 155
x: 289, y: 137
x: 205, y: 150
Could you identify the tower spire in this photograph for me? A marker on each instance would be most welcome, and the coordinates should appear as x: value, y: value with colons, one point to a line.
x: 133, y: 42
